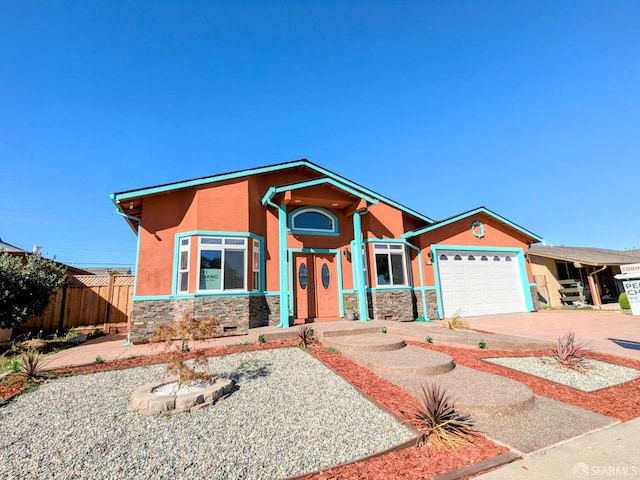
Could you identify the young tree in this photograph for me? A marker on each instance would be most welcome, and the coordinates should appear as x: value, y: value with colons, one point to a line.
x: 26, y: 288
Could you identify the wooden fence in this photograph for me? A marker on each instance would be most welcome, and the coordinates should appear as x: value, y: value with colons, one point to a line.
x: 88, y: 301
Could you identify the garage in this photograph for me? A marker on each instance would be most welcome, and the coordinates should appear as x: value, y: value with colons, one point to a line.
x: 480, y: 283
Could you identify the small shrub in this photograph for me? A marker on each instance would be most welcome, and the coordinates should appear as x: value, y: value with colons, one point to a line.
x: 623, y: 300
x: 383, y: 329
x: 455, y: 322
x: 14, y: 365
x: 96, y: 334
x: 305, y: 335
x: 99, y: 360
x: 428, y: 339
x: 31, y: 366
x: 261, y: 338
x: 187, y: 329
x: 570, y: 353
x: 482, y: 344
x: 437, y: 420
x: 71, y: 333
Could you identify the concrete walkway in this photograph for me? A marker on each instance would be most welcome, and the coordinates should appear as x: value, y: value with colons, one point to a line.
x: 613, y: 452
x: 615, y: 333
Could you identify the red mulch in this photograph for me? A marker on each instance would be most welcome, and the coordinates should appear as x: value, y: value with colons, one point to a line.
x: 413, y: 462
x: 621, y: 402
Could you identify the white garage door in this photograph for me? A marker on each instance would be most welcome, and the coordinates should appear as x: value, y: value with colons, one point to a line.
x: 480, y: 283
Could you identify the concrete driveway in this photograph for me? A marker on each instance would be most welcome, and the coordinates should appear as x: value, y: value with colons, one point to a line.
x: 609, y: 332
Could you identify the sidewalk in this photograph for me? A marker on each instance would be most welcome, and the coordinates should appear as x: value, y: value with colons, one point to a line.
x: 610, y: 453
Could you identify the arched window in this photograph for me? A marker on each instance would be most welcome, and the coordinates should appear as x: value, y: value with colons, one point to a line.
x: 313, y: 221
x: 496, y: 258
x: 508, y: 259
x: 471, y: 257
x: 443, y: 257
x: 457, y: 257
x: 483, y: 258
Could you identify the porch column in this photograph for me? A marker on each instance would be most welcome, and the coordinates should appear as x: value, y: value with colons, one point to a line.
x: 282, y: 254
x: 359, y: 266
x: 595, y: 293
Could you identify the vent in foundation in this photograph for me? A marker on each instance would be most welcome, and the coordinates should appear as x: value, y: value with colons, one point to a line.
x: 388, y: 317
x: 229, y: 328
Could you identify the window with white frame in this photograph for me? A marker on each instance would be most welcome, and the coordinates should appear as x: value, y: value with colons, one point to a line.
x: 255, y: 265
x: 183, y: 265
x: 222, y: 264
x: 390, y: 264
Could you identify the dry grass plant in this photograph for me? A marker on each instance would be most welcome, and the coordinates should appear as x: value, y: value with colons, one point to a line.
x: 455, y: 322
x: 30, y: 369
x: 437, y: 420
x: 175, y: 337
x: 306, y: 336
x: 570, y: 353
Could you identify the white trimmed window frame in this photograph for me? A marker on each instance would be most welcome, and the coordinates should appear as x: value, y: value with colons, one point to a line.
x: 184, y: 260
x: 391, y: 251
x: 255, y: 264
x: 223, y: 245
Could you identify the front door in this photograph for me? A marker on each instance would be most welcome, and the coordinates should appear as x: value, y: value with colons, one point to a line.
x: 316, y: 287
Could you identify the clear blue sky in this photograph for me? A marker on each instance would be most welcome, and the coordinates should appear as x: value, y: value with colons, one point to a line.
x: 531, y: 109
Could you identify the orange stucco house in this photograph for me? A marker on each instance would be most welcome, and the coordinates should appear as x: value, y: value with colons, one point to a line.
x: 294, y: 242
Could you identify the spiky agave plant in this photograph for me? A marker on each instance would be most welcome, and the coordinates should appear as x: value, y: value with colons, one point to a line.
x: 30, y: 369
x: 306, y: 336
x: 437, y: 420
x: 569, y: 352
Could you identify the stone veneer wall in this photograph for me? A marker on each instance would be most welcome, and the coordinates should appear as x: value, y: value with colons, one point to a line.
x: 432, y: 304
x: 236, y: 314
x: 392, y: 305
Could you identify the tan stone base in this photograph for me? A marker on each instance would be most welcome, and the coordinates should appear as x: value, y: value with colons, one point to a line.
x: 145, y: 402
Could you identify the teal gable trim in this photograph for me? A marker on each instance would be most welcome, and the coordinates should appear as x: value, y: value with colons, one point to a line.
x: 342, y: 185
x: 204, y: 180
x: 518, y: 252
x: 462, y: 216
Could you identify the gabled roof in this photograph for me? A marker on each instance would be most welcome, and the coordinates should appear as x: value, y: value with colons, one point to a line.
x: 131, y: 194
x: 470, y: 213
x: 12, y: 249
x: 586, y: 255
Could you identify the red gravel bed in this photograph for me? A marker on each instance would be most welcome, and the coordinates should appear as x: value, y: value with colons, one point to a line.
x: 621, y: 402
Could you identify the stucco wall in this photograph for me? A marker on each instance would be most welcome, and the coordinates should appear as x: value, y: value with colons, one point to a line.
x: 548, y: 268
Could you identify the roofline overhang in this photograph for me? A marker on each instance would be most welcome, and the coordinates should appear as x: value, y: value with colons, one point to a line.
x: 577, y: 260
x: 470, y: 213
x: 312, y: 183
x: 362, y: 191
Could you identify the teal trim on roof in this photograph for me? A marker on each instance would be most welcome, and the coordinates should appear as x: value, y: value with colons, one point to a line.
x: 344, y: 183
x: 470, y: 213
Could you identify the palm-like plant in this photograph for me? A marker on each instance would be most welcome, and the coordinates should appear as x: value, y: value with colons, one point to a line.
x: 306, y: 336
x: 569, y: 352
x: 437, y: 420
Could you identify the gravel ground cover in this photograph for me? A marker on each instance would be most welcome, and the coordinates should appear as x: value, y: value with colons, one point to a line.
x: 290, y: 415
x: 596, y: 374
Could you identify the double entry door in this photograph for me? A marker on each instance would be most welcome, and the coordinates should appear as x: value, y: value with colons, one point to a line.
x: 316, y: 287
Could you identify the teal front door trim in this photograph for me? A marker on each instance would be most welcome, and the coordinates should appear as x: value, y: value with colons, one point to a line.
x: 518, y: 252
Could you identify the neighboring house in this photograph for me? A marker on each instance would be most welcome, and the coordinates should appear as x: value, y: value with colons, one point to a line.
x: 561, y: 272
x: 18, y: 252
x: 295, y: 242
